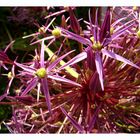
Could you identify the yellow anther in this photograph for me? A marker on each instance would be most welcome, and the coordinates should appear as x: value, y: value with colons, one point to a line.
x: 138, y: 34
x: 97, y: 46
x: 17, y: 91
x: 92, y: 39
x: 41, y: 30
x: 41, y: 73
x: 56, y: 32
x: 135, y: 8
x: 10, y: 75
x: 111, y: 30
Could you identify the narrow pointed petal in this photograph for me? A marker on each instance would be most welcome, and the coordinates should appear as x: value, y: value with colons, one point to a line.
x: 51, y: 66
x: 99, y: 67
x: 96, y: 31
x: 105, y: 28
x: 26, y: 68
x: 5, y: 58
x: 117, y: 21
x: 119, y: 58
x: 74, y: 60
x: 74, y: 22
x: 74, y: 123
x: 90, y: 21
x: 121, y: 31
x: 30, y: 86
x: 94, y: 84
x: 62, y: 79
x: 93, y: 120
x: 45, y: 89
x: 42, y: 54
x: 28, y: 100
x: 46, y: 38
x: 76, y: 37
x: 3, y: 96
x: 90, y: 58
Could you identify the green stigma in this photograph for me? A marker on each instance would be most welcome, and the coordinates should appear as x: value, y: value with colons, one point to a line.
x: 138, y: 34
x: 56, y: 32
x: 41, y: 73
x: 97, y: 46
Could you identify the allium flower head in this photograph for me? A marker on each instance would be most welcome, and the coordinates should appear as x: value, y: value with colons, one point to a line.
x: 98, y: 43
x: 82, y: 77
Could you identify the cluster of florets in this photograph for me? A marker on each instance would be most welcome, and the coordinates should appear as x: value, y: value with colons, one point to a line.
x: 79, y: 80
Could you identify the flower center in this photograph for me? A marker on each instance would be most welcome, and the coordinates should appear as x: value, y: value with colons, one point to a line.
x: 97, y: 46
x: 138, y: 34
x: 111, y: 30
x: 41, y: 30
x: 135, y: 8
x: 41, y: 73
x: 9, y: 75
x: 56, y: 32
x: 92, y: 39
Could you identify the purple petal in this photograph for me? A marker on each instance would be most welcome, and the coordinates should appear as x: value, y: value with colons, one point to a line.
x: 30, y: 86
x: 105, y: 28
x: 3, y: 96
x: 26, y: 68
x: 117, y: 21
x: 94, y: 84
x: 5, y: 58
x: 62, y: 79
x: 96, y: 31
x: 90, y: 58
x: 118, y: 57
x: 74, y: 123
x: 121, y: 31
x: 99, y: 67
x: 45, y: 89
x: 74, y: 22
x: 46, y: 38
x: 116, y: 46
x: 17, y: 124
x: 93, y: 120
x: 74, y: 60
x: 76, y: 37
x: 51, y: 66
x: 42, y: 54
x: 28, y: 100
x: 90, y: 21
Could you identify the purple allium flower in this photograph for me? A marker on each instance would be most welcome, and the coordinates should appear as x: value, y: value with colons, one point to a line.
x: 41, y: 73
x: 11, y: 76
x: 103, y: 97
x: 98, y: 43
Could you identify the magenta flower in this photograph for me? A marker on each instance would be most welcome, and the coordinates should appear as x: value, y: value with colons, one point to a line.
x: 99, y: 44
x: 41, y: 74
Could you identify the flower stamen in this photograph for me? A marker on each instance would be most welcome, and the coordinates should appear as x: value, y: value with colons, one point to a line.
x: 41, y: 73
x: 56, y: 32
x: 97, y: 46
